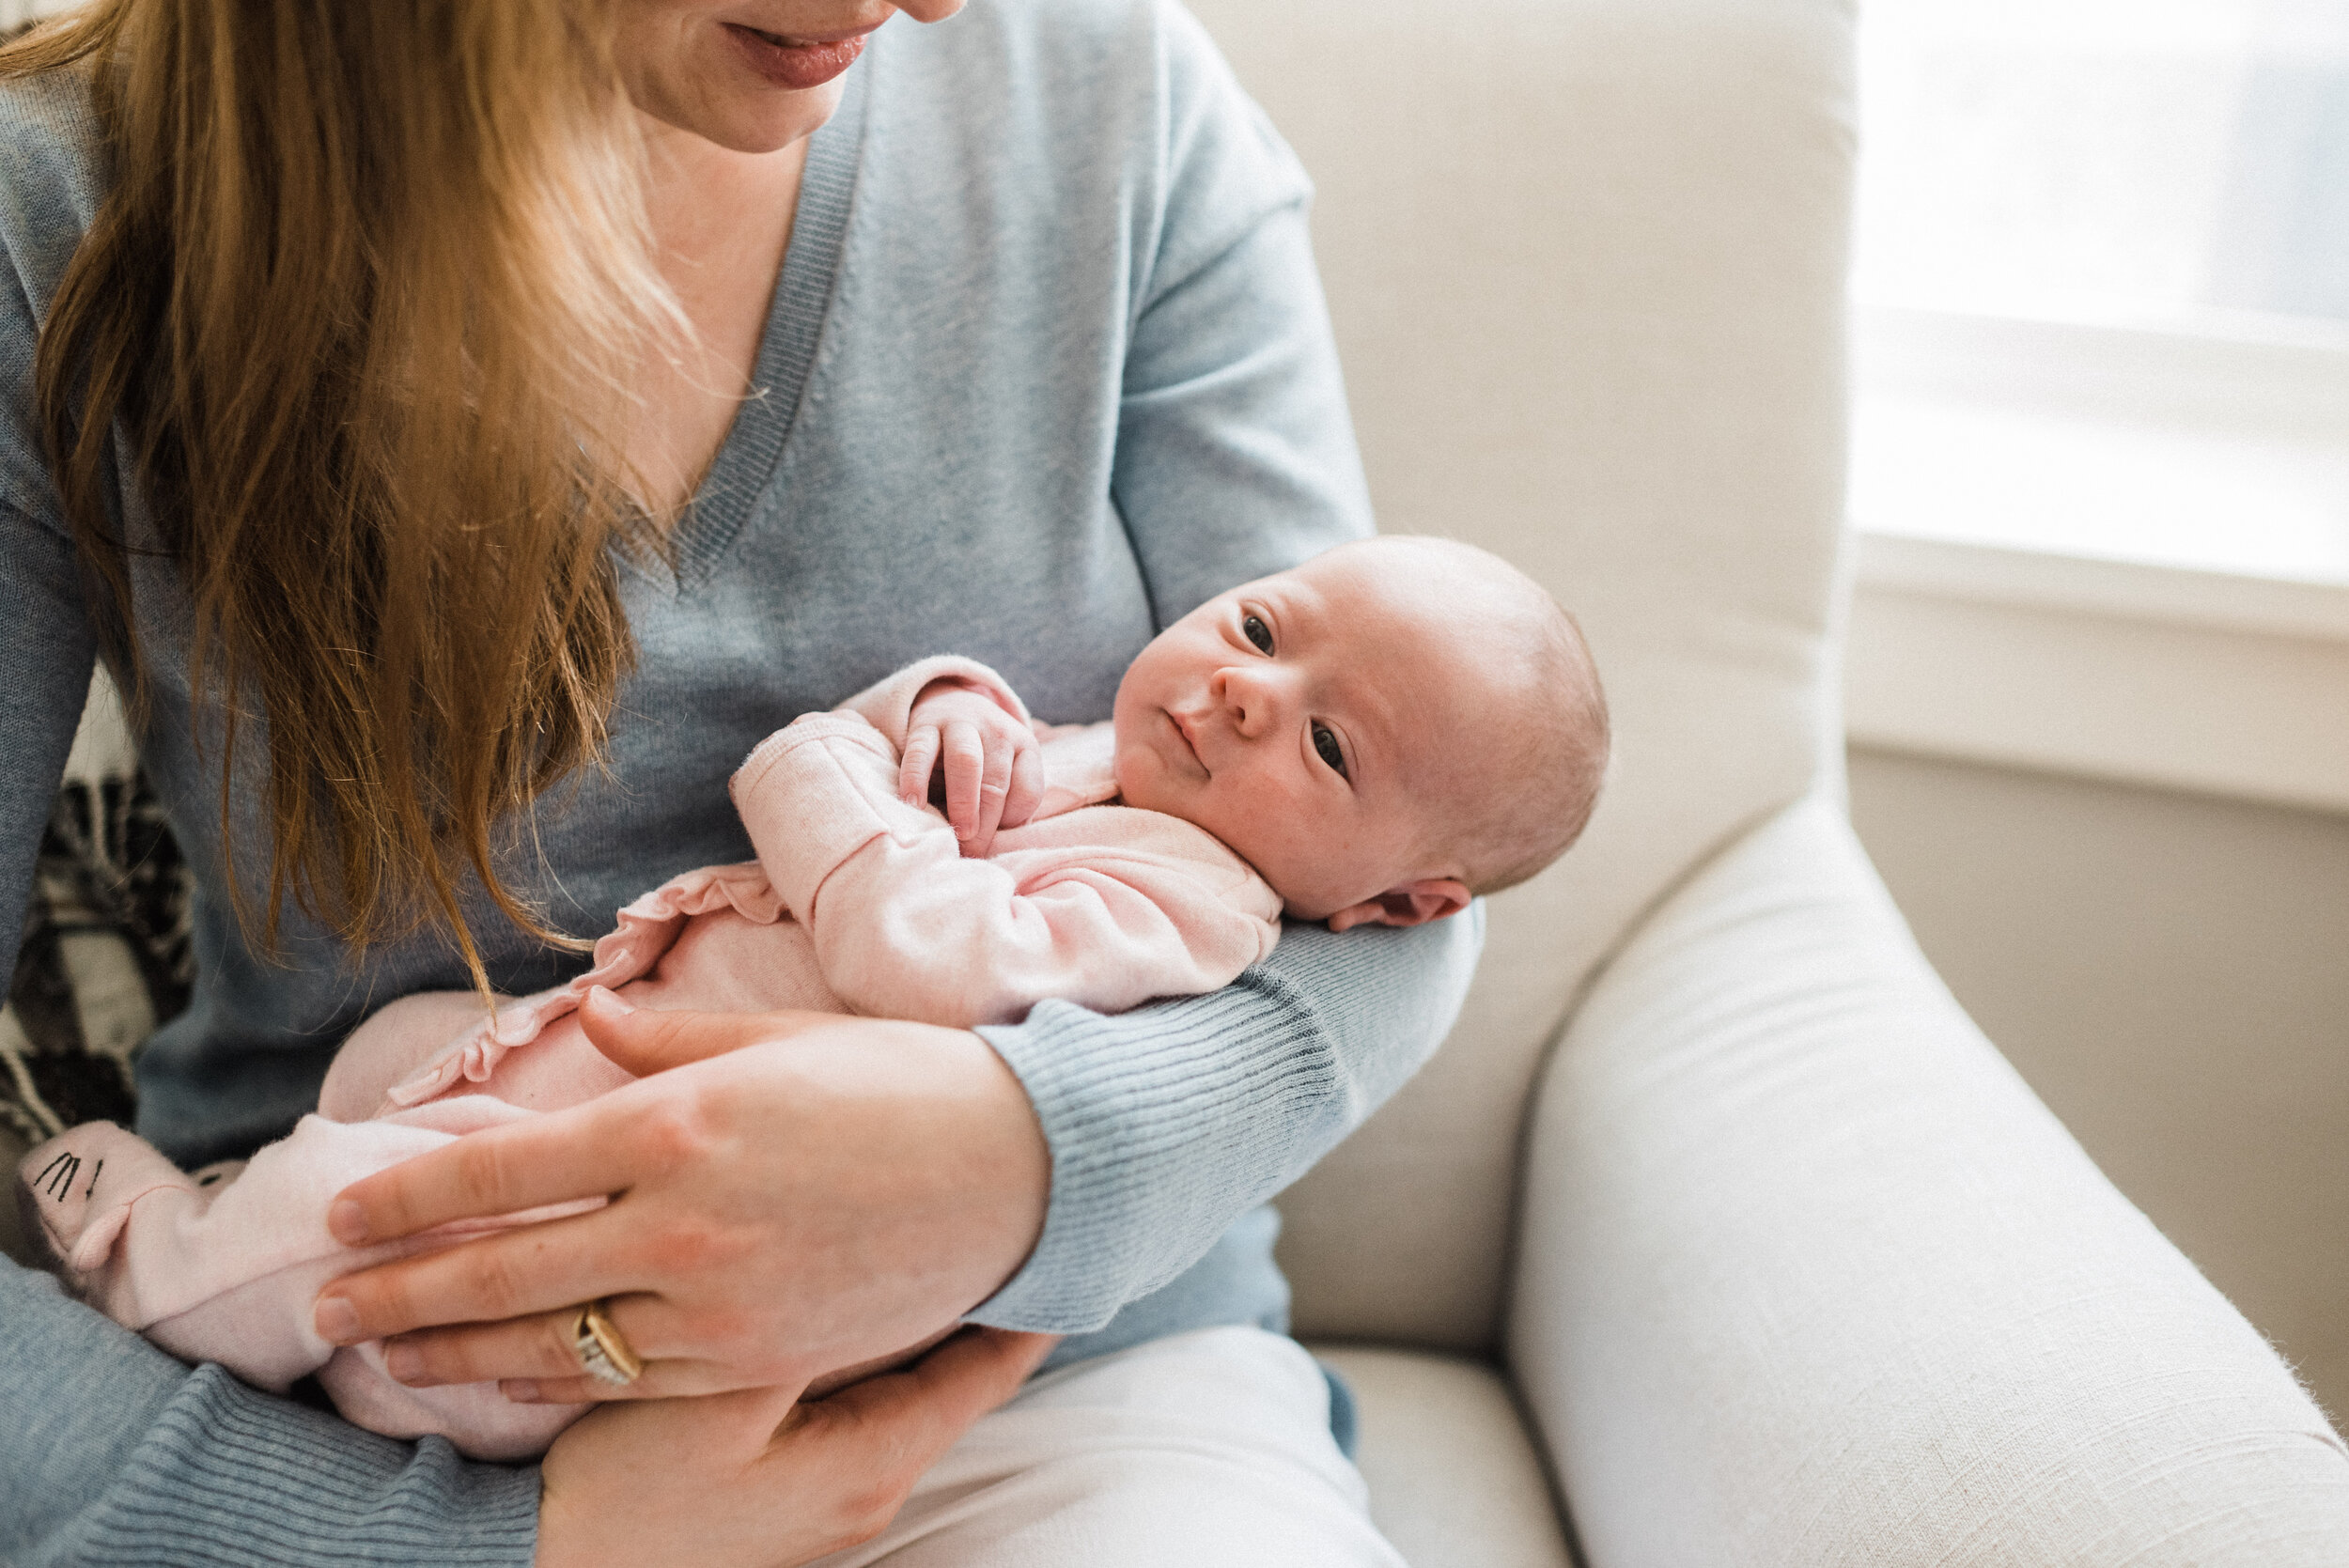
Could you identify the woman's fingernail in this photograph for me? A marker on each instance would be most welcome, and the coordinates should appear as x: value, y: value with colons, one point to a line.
x: 614, y: 1000
x: 521, y: 1390
x: 336, y: 1320
x: 347, y: 1220
x: 405, y: 1362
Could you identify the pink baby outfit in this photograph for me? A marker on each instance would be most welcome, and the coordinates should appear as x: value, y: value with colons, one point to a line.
x: 857, y: 903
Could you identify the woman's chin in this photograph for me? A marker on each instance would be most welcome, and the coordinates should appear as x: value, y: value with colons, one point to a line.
x: 747, y: 115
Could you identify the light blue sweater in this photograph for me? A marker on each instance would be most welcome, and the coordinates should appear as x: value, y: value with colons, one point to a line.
x: 1048, y: 366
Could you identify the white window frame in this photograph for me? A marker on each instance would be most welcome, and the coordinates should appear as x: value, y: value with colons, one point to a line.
x: 2222, y: 667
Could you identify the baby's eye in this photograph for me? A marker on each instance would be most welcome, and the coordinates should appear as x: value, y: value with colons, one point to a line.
x: 1327, y: 744
x: 1253, y: 628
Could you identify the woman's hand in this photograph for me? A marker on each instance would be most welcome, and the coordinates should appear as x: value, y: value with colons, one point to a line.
x: 757, y: 1481
x: 993, y: 764
x: 791, y: 1193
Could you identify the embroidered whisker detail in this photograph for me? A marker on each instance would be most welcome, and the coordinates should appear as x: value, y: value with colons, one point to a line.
x: 60, y: 1185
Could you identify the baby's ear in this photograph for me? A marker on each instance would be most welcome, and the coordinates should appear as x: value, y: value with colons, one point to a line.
x: 1412, y: 904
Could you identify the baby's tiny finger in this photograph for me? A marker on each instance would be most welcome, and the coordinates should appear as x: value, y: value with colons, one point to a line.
x: 914, y: 771
x: 966, y: 756
x: 1027, y: 784
x: 994, y: 783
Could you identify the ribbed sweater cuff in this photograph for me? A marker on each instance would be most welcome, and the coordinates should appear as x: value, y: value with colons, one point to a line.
x: 1167, y: 1122
x: 232, y: 1477
x: 1163, y: 1123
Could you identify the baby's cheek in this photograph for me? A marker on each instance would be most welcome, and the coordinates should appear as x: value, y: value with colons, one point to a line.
x: 1273, y: 832
x: 1143, y: 784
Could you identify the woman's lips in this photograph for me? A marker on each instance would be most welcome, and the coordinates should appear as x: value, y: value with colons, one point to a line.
x: 794, y: 64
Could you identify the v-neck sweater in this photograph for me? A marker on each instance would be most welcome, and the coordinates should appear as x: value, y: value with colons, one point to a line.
x: 1047, y: 366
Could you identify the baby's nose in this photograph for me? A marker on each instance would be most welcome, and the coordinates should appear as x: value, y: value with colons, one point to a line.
x: 1250, y: 696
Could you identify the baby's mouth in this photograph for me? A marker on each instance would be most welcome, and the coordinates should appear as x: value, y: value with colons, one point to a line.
x: 1181, y: 727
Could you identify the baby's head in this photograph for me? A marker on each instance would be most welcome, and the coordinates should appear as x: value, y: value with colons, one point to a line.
x: 1383, y: 733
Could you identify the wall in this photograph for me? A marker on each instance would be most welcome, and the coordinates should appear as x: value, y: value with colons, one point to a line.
x: 2171, y: 971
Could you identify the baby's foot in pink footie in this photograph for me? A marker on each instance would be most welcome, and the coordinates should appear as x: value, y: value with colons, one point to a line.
x: 76, y: 1191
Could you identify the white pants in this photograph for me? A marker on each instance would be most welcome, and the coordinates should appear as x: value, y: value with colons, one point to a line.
x: 1208, y: 1450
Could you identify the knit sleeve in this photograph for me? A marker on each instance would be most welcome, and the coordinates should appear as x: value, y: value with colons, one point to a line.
x: 1236, y: 455
x: 114, y: 1452
x: 1169, y: 1122
x: 46, y: 646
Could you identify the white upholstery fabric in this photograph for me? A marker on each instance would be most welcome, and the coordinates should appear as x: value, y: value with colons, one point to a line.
x: 1809, y: 1278
x: 1456, y: 1480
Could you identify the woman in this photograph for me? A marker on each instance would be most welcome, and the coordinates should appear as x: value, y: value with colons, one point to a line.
x: 526, y: 409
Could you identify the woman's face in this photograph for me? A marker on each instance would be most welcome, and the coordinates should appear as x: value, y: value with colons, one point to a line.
x: 751, y: 75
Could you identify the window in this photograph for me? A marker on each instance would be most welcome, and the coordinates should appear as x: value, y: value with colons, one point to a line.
x: 2103, y: 279
x: 2101, y: 437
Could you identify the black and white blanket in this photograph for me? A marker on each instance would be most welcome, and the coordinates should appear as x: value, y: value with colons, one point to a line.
x: 105, y: 956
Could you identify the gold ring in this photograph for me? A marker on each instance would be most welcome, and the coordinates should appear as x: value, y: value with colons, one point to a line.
x: 603, y: 1355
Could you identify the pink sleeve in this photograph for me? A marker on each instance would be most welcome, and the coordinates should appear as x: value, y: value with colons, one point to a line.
x: 1107, y: 908
x: 889, y: 705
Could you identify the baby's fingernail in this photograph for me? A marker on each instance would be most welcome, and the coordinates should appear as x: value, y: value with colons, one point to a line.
x: 521, y: 1390
x: 336, y: 1320
x: 347, y: 1220
x: 405, y: 1362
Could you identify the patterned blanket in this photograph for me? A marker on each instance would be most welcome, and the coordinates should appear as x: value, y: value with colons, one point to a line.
x: 105, y: 956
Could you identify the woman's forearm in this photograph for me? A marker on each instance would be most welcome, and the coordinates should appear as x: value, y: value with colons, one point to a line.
x: 1166, y: 1123
x: 112, y: 1452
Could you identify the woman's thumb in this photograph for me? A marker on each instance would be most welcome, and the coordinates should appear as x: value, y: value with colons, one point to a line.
x: 645, y: 1041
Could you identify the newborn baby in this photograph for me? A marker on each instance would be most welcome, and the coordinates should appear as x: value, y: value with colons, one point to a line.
x: 1371, y: 739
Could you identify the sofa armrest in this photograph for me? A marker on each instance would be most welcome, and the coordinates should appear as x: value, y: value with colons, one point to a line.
x: 1807, y: 1275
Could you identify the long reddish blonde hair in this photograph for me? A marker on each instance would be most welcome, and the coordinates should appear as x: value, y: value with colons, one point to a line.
x: 365, y: 300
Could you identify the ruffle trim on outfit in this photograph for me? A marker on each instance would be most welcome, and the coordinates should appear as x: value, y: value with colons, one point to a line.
x: 642, y: 932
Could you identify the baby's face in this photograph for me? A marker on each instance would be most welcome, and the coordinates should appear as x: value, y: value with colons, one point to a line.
x: 1303, y: 719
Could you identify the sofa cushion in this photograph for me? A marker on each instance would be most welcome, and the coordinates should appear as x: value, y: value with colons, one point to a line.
x: 1454, y: 1480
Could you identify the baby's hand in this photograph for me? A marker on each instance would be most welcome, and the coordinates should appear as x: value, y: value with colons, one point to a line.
x: 994, y: 769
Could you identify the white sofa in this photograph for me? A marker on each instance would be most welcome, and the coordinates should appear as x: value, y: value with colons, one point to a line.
x: 1716, y: 1222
